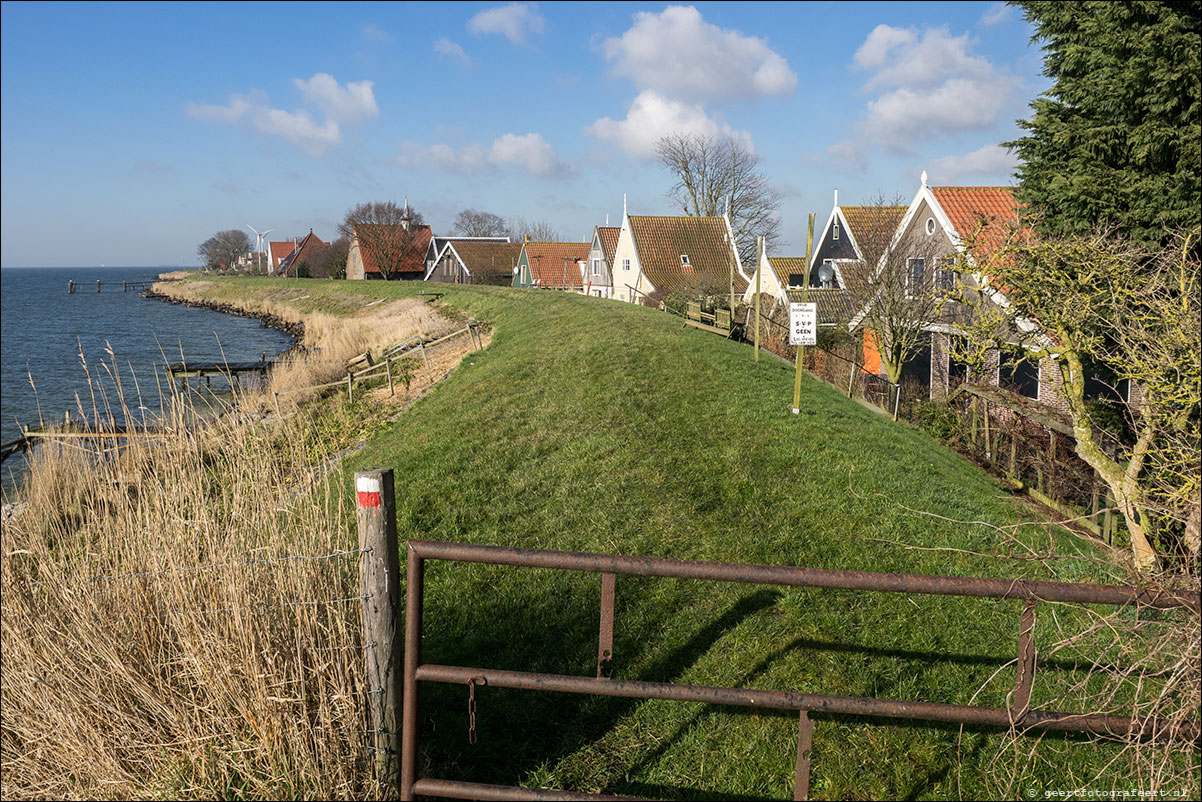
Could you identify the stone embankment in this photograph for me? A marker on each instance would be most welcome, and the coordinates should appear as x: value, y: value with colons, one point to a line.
x: 291, y: 327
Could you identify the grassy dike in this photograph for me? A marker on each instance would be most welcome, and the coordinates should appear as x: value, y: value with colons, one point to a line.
x: 599, y: 426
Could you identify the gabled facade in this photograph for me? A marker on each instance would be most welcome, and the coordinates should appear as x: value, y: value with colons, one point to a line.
x: 552, y: 265
x: 476, y: 260
x: 775, y: 275
x: 362, y: 262
x: 656, y: 253
x: 598, y: 277
x: 297, y: 259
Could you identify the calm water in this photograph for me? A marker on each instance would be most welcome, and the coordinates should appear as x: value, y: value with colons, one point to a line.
x: 43, y: 329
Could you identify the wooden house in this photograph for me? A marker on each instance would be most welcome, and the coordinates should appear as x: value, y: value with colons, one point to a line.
x: 552, y: 265
x: 296, y: 263
x: 396, y: 252
x: 476, y: 260
x: 598, y: 278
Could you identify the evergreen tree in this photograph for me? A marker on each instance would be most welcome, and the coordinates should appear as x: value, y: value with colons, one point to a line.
x: 1116, y: 139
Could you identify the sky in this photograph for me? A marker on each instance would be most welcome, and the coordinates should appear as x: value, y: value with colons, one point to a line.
x: 130, y: 133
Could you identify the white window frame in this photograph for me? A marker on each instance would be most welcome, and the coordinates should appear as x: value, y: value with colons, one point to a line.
x: 684, y: 260
x: 947, y: 277
x: 596, y: 267
x: 910, y: 292
x: 626, y: 265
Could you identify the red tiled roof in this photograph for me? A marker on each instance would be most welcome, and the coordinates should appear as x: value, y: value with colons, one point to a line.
x: 303, y: 250
x: 661, y: 241
x: 609, y: 242
x: 279, y: 251
x: 556, y: 264
x: 385, y: 239
x: 983, y: 213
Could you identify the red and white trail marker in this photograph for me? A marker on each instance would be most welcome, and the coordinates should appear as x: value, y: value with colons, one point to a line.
x: 368, y: 489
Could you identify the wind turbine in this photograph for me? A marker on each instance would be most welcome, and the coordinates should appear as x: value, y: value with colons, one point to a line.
x: 259, y: 241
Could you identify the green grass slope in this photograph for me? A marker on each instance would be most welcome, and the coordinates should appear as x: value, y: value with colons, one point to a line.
x: 598, y: 426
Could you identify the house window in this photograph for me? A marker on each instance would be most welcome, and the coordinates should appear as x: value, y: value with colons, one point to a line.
x: 1018, y: 374
x: 626, y: 265
x: 684, y: 258
x: 914, y: 271
x: 596, y: 267
x: 835, y: 231
x: 796, y: 280
x: 930, y: 226
x: 949, y: 279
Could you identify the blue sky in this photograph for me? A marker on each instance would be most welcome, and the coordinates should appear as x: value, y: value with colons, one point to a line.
x: 131, y: 133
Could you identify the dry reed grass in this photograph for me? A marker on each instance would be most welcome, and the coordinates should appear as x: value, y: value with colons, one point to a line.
x: 182, y: 618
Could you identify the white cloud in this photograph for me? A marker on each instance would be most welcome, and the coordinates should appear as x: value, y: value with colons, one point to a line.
x: 676, y: 52
x: 530, y: 153
x: 374, y: 33
x: 931, y: 85
x: 515, y: 22
x: 445, y: 47
x: 991, y: 160
x: 651, y: 116
x: 353, y: 104
x: 997, y: 13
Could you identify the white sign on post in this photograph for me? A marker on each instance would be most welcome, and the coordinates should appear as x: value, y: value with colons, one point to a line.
x: 803, y: 324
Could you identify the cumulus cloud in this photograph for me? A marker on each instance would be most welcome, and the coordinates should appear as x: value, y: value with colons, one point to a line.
x: 996, y: 14
x: 651, y: 116
x: 516, y: 22
x: 991, y: 160
x: 452, y: 50
x: 354, y: 103
x: 529, y: 153
x: 676, y: 52
x: 338, y: 105
x: 929, y: 84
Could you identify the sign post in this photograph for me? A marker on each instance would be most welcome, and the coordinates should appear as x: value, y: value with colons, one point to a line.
x: 794, y: 337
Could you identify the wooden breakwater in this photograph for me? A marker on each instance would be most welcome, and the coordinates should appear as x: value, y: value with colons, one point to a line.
x: 126, y: 286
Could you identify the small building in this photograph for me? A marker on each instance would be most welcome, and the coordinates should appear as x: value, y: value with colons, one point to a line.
x: 552, y: 265
x: 296, y: 263
x: 665, y: 254
x: 598, y: 278
x: 278, y: 252
x: 395, y: 252
x: 476, y: 260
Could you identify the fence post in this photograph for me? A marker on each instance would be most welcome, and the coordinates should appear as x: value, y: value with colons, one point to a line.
x: 388, y: 367
x: 381, y: 584
x: 350, y: 387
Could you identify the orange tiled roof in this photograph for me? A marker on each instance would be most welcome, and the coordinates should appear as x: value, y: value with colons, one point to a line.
x: 661, y: 241
x: 279, y: 251
x: 981, y: 212
x: 413, y: 260
x: 556, y: 264
x: 866, y: 222
x: 303, y: 250
x: 609, y: 242
x: 490, y: 262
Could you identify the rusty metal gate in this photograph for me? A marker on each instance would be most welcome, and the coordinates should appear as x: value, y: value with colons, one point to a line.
x: 1018, y: 714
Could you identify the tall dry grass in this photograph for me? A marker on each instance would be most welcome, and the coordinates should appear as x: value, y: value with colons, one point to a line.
x: 181, y: 618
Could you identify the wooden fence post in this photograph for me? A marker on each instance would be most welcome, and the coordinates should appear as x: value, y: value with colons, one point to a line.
x: 350, y: 387
x: 382, y: 631
x: 388, y: 367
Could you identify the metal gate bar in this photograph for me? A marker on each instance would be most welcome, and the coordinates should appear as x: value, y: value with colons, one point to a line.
x: 1017, y: 714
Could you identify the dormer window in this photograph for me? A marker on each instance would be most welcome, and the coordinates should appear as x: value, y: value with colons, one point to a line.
x: 684, y: 258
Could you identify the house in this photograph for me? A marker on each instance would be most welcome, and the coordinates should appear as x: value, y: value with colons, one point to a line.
x: 296, y: 263
x: 945, y: 218
x: 552, y: 265
x: 437, y: 244
x: 278, y: 252
x: 656, y: 254
x: 476, y: 260
x: 598, y: 278
x: 394, y: 252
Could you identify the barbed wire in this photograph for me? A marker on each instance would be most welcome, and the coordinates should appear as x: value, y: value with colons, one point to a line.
x: 194, y: 568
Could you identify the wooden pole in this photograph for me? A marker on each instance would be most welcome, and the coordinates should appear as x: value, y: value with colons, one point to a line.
x: 388, y: 367
x: 70, y: 287
x: 350, y: 386
x: 988, y: 455
x: 805, y: 297
x: 97, y: 285
x: 381, y: 585
x: 277, y: 405
x: 758, y: 269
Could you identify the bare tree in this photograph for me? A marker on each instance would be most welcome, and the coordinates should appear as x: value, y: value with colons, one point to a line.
x: 474, y: 223
x: 899, y: 287
x: 385, y: 232
x: 223, y: 248
x: 326, y: 261
x: 519, y: 228
x: 710, y: 170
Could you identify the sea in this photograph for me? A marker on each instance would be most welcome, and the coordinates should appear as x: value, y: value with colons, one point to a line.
x: 52, y: 341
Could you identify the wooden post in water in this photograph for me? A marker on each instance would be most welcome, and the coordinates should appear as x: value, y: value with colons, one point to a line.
x: 382, y: 633
x: 97, y: 285
x: 124, y: 286
x: 70, y: 287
